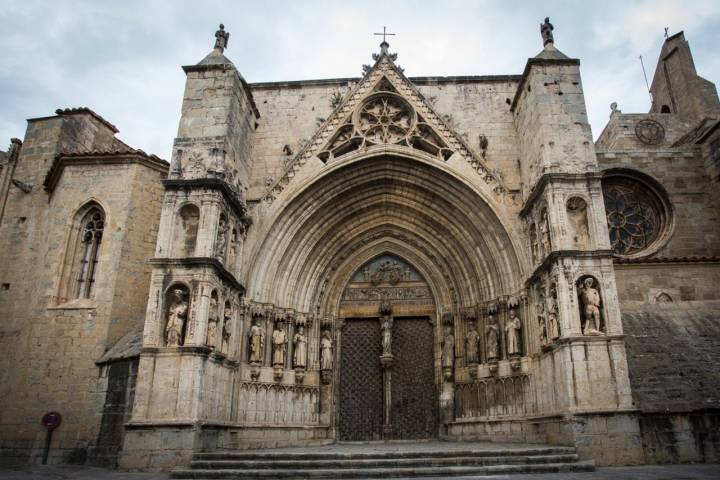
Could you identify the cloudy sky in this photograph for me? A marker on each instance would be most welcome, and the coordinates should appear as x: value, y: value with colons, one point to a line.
x: 122, y: 58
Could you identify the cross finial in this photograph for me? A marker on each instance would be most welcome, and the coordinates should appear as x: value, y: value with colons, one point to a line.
x: 384, y: 34
x: 666, y: 31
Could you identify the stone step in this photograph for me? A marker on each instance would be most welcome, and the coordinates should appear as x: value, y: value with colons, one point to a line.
x: 348, y: 463
x: 319, y: 455
x: 442, y: 471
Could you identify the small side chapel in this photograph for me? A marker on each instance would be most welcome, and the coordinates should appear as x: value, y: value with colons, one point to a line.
x: 368, y: 259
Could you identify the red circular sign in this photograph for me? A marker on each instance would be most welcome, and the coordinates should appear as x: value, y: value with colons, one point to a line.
x: 51, y: 420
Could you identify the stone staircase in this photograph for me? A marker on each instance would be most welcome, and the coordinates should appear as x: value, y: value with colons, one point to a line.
x: 435, y: 459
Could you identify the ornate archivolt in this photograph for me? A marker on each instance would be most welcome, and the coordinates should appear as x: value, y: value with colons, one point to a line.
x: 385, y: 109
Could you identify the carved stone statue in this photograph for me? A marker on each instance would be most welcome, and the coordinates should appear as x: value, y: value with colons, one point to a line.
x: 386, y: 327
x: 177, y: 315
x: 448, y: 348
x: 366, y: 274
x: 326, y: 351
x: 227, y: 327
x: 232, y: 255
x: 546, y: 30
x: 552, y: 313
x: 512, y: 333
x: 590, y: 298
x: 545, y: 233
x: 300, y: 350
x: 471, y: 344
x: 492, y: 333
x: 211, y: 338
x: 222, y: 38
x: 279, y: 345
x: 257, y: 343
x: 542, y: 327
x: 221, y: 239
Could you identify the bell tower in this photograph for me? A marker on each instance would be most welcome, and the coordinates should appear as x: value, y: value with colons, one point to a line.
x: 575, y: 312
x: 193, y: 319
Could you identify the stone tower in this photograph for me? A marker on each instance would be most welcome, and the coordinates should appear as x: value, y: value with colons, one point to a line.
x: 189, y: 342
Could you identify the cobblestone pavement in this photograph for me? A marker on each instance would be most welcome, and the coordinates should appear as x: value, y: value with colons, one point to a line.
x: 647, y: 472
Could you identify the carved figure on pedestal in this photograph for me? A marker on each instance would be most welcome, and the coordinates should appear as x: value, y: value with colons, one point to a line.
x: 221, y: 239
x: 546, y: 30
x: 300, y: 351
x: 491, y: 338
x: 590, y: 300
x: 257, y: 343
x: 471, y: 344
x: 222, y: 38
x: 326, y: 354
x: 177, y: 315
x: 211, y: 338
x: 448, y: 352
x: 512, y: 333
x: 552, y: 313
x: 386, y: 327
x: 542, y: 327
x: 545, y: 233
x: 232, y: 255
x: 227, y: 328
x: 279, y: 345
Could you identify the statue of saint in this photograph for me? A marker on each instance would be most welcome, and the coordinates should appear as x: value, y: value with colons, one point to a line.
x: 546, y: 30
x: 471, y: 344
x: 257, y: 342
x: 545, y: 234
x: 211, y: 338
x: 300, y: 350
x: 590, y: 298
x: 552, y: 311
x: 221, y: 240
x: 492, y: 334
x: 222, y: 38
x: 386, y: 327
x: 177, y: 315
x: 448, y: 348
x: 512, y: 333
x: 227, y: 327
x: 326, y: 351
x: 279, y: 346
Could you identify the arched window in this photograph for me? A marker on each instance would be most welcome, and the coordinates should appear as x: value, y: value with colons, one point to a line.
x: 91, y: 232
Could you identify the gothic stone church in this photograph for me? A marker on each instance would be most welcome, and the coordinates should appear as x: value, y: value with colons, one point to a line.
x: 368, y: 259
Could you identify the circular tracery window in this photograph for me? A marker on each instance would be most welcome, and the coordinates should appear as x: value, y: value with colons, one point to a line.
x: 637, y: 217
x: 385, y: 118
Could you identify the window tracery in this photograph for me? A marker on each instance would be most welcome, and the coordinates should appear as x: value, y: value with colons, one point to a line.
x: 91, y: 231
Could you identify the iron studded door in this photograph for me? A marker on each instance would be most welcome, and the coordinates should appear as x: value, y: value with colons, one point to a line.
x: 414, y: 412
x: 361, y: 394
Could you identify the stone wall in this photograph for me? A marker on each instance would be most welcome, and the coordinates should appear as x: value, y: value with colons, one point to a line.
x: 50, y: 346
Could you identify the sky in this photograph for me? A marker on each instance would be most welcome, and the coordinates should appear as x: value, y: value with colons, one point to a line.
x: 122, y: 58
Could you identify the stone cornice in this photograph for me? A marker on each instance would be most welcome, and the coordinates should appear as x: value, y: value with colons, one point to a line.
x: 538, y: 62
x: 664, y: 260
x: 218, y: 184
x: 558, y: 254
x: 214, y: 263
x: 100, y: 159
x: 550, y: 177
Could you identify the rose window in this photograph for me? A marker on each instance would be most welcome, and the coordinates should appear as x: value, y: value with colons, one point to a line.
x: 385, y: 118
x: 635, y: 215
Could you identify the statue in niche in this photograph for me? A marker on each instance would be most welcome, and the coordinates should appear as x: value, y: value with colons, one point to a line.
x: 257, y: 342
x: 211, y: 338
x: 386, y: 327
x: 590, y: 299
x: 300, y: 350
x: 534, y: 243
x: 545, y: 233
x: 232, y: 256
x: 226, y: 330
x: 546, y: 30
x: 512, y: 333
x: 542, y: 327
x: 221, y: 38
x: 326, y: 351
x: 448, y: 348
x: 492, y: 334
x: 552, y: 313
x: 221, y: 239
x: 279, y: 345
x: 471, y: 344
x: 177, y: 315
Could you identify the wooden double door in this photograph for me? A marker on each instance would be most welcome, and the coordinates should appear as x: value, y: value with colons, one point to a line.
x: 413, y: 411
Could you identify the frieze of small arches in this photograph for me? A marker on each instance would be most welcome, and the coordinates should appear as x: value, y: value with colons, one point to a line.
x: 639, y: 213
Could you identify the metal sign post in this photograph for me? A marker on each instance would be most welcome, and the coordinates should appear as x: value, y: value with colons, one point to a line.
x: 50, y: 420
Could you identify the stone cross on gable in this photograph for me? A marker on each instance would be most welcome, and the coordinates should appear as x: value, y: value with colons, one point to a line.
x: 384, y: 45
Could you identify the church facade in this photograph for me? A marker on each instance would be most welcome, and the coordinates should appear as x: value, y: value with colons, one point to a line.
x: 363, y: 259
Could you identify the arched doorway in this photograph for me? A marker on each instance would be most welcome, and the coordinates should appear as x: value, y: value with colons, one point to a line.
x: 388, y: 388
